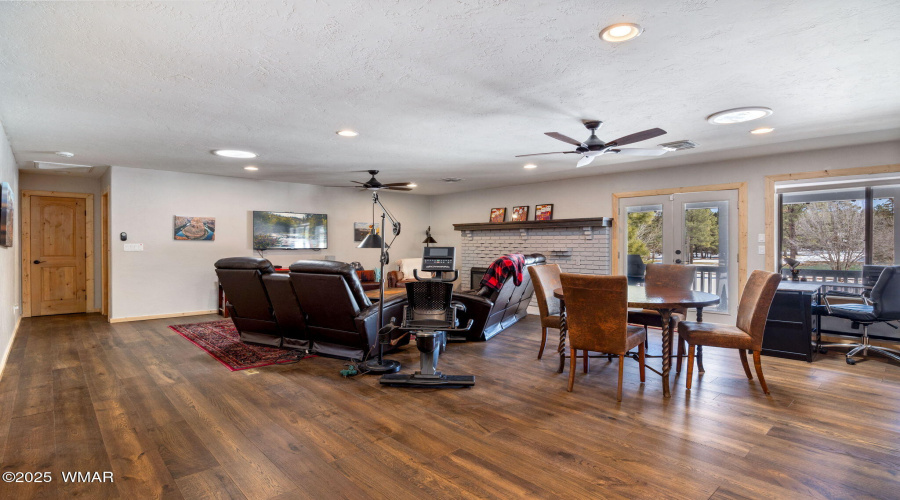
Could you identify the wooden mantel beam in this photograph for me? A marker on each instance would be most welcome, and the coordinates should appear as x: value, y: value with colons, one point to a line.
x: 536, y: 224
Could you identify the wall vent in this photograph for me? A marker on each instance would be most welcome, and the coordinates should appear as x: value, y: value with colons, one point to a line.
x: 678, y: 145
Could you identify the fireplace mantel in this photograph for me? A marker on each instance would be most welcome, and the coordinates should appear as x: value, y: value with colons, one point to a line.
x: 536, y: 224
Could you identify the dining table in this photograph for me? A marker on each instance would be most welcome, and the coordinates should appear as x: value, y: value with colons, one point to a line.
x: 664, y: 300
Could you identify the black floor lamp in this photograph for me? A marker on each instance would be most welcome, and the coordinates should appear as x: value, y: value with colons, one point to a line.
x: 374, y: 240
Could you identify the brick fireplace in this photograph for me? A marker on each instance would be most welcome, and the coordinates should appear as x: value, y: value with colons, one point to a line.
x: 577, y: 245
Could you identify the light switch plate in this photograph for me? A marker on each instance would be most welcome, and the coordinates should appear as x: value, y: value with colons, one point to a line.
x: 761, y: 238
x: 761, y: 250
x: 134, y: 247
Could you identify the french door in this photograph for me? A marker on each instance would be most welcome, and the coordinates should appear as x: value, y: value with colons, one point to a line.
x: 698, y: 229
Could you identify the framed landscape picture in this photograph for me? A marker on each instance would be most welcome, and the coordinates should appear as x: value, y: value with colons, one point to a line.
x: 195, y: 228
x: 519, y: 214
x: 498, y: 214
x: 362, y: 229
x: 7, y: 215
x: 543, y: 212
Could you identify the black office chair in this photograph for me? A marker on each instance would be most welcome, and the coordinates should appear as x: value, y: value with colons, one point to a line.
x: 430, y: 314
x: 881, y: 306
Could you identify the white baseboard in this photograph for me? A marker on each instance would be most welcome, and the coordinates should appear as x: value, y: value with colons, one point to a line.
x: 8, y: 349
x: 161, y: 316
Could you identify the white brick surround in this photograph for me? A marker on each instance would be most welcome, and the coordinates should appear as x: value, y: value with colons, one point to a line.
x: 576, y: 249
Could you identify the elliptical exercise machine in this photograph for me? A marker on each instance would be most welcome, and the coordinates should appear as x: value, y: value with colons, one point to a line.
x: 431, y: 315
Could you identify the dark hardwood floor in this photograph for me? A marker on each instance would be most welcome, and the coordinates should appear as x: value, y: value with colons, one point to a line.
x: 79, y: 394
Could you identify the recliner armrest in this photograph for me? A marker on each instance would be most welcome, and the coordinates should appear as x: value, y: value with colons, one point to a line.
x: 367, y: 318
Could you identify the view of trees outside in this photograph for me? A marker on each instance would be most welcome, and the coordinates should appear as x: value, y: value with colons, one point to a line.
x: 832, y: 234
x: 883, y: 232
x: 645, y: 235
x: 701, y: 235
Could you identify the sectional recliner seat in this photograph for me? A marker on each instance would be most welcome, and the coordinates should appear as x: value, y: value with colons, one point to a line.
x: 320, y: 306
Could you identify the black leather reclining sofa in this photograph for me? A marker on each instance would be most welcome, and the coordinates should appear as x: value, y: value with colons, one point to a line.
x: 320, y: 306
x: 494, y: 311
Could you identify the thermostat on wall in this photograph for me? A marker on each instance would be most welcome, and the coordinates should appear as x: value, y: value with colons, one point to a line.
x: 134, y: 247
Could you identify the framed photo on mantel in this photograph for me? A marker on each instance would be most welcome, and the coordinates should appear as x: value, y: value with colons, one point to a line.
x: 519, y: 214
x: 543, y: 212
x: 498, y: 214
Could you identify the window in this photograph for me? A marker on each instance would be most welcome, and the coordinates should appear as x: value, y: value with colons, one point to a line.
x: 832, y: 233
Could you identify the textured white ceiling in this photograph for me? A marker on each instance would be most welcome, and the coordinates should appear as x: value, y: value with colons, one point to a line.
x: 436, y: 89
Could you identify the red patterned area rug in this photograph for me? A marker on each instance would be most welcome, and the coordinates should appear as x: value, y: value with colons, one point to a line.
x: 221, y: 340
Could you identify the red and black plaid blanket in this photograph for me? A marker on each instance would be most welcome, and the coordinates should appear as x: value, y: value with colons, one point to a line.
x: 501, y: 269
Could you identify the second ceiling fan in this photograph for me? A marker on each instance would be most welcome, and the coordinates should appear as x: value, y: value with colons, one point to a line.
x: 594, y: 147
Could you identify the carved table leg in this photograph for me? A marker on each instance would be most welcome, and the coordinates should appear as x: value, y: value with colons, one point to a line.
x: 700, y: 347
x: 563, y: 329
x: 665, y: 316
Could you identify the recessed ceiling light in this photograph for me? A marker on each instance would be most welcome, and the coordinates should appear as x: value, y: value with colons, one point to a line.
x: 738, y: 115
x: 251, y: 168
x: 621, y: 32
x: 412, y: 185
x: 234, y: 153
x: 64, y: 154
x: 762, y: 130
x: 530, y: 166
x: 347, y: 133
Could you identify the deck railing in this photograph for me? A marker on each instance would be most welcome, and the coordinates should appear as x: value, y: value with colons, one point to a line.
x: 826, y: 276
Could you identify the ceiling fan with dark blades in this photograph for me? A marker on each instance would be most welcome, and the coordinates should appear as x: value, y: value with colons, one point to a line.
x: 374, y: 185
x: 594, y: 147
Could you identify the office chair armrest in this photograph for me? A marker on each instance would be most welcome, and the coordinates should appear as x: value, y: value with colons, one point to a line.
x: 459, y: 306
x: 842, y: 298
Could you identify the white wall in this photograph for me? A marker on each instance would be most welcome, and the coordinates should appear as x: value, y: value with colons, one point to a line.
x: 10, y: 269
x: 592, y: 196
x: 171, y: 276
x: 71, y: 184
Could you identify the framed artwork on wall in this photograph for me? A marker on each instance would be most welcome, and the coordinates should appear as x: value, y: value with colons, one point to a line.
x: 519, y: 214
x: 361, y: 230
x: 195, y: 228
x: 543, y: 212
x: 498, y: 214
x: 7, y: 215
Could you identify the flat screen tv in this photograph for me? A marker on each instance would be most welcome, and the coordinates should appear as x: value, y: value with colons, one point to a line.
x: 289, y: 231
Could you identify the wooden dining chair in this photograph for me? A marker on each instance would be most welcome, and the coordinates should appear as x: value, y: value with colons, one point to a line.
x: 747, y: 334
x: 596, y: 315
x: 667, y: 276
x: 546, y: 279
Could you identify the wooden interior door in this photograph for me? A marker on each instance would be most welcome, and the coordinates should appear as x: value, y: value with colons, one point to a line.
x: 58, y: 255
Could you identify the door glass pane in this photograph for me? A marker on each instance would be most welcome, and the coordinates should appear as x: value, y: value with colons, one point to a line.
x: 705, y: 246
x: 645, y: 240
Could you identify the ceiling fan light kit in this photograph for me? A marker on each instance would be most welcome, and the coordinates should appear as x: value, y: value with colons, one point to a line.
x: 621, y: 32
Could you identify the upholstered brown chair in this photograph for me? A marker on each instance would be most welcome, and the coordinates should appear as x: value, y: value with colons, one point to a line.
x: 669, y: 276
x: 747, y: 334
x: 546, y: 279
x: 596, y: 315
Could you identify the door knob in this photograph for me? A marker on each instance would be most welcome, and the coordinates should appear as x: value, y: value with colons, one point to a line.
x: 678, y: 261
x: 39, y: 261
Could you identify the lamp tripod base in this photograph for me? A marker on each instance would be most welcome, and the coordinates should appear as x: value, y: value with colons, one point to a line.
x: 373, y: 367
